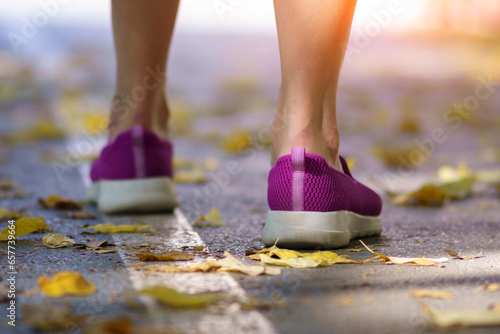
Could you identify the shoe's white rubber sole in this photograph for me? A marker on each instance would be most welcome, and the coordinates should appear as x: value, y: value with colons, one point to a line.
x: 308, y: 229
x: 142, y: 195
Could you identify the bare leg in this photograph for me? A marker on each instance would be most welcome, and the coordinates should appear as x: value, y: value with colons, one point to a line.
x: 312, y: 38
x: 142, y: 32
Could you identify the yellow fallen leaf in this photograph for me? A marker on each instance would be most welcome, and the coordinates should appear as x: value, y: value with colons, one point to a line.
x: 351, y: 162
x: 461, y: 172
x: 428, y: 194
x: 394, y: 156
x: 165, y: 256
x: 184, y: 300
x: 298, y: 262
x: 437, y: 294
x: 238, y: 142
x: 60, y: 203
x: 211, y: 163
x: 286, y: 256
x: 450, y: 174
x: 230, y: 264
x: 112, y: 228
x: 347, y: 301
x: 462, y: 318
x: 6, y: 214
x: 66, y: 283
x: 41, y: 130
x: 494, y: 287
x: 212, y: 218
x: 57, y: 241
x: 105, y: 251
x: 24, y: 226
x: 194, y: 175
x: 420, y: 261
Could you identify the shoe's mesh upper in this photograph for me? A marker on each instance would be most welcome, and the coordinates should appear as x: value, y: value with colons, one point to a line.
x: 325, y: 189
x: 117, y: 158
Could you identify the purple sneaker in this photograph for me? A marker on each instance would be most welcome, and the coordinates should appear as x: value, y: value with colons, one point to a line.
x: 314, y: 205
x: 134, y: 174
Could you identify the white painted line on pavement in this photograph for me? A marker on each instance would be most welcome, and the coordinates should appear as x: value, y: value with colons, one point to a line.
x: 174, y: 232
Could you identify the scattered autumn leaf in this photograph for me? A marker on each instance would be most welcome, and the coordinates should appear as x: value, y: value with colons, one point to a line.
x: 493, y: 287
x: 65, y: 283
x: 165, y: 256
x: 184, y: 300
x: 455, y: 255
x: 423, y: 261
x: 95, y: 244
x: 7, y: 215
x: 293, y: 259
x: 2, y: 251
x: 230, y: 264
x: 238, y: 142
x: 60, y: 203
x: 195, y: 175
x: 49, y: 318
x: 434, y: 194
x: 112, y: 228
x: 43, y: 129
x: 437, y: 294
x: 462, y: 318
x: 227, y: 264
x: 57, y: 241
x: 212, y: 218
x: 80, y: 215
x: 393, y: 156
x: 105, y: 251
x: 24, y: 226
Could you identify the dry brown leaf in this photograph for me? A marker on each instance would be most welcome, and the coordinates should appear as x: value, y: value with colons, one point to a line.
x: 165, y: 256
x: 437, y: 294
x: 57, y: 241
x: 406, y: 260
x: 58, y: 202
x: 2, y: 251
x: 65, y: 283
x: 455, y: 255
x: 95, y: 244
x: 462, y: 318
x: 49, y: 318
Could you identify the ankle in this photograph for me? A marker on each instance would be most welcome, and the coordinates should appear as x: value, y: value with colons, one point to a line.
x: 149, y: 110
x: 312, y: 125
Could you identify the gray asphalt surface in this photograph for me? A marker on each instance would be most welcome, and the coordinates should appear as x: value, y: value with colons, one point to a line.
x: 366, y: 298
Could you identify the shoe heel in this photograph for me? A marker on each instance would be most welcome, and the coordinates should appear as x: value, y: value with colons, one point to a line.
x: 138, y: 195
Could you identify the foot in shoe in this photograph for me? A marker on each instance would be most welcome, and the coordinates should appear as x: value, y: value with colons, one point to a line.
x: 134, y: 174
x: 313, y: 205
